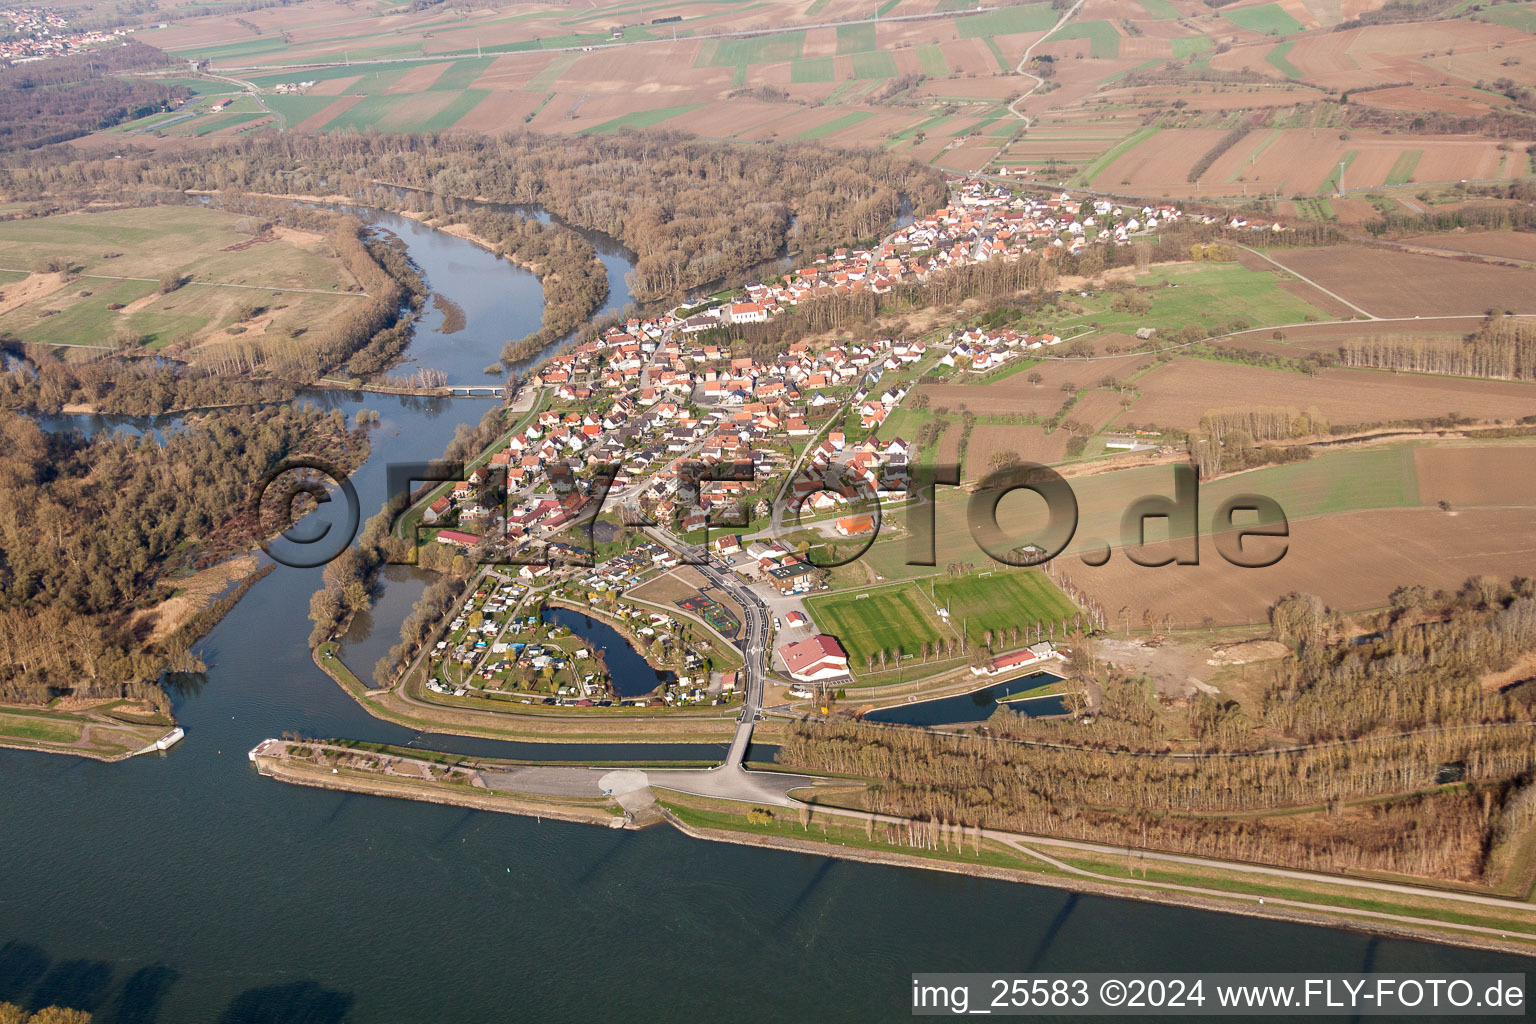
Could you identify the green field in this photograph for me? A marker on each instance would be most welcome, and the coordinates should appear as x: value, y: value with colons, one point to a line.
x: 1003, y: 63
x: 1103, y: 40
x: 1007, y: 21
x: 1331, y: 183
x: 1210, y: 294
x: 726, y: 53
x: 889, y: 619
x: 905, y: 617
x: 837, y: 124
x: 545, y: 80
x: 1402, y: 169
x: 1001, y: 600
x: 932, y: 59
x: 450, y: 114
x: 1279, y: 57
x: 148, y: 242
x: 874, y: 64
x: 1160, y: 10
x: 298, y: 108
x: 1517, y: 16
x: 462, y: 73
x: 855, y: 38
x: 1325, y: 485
x: 1270, y: 19
x: 1188, y: 46
x: 38, y: 729
x: 811, y: 69
x: 640, y: 119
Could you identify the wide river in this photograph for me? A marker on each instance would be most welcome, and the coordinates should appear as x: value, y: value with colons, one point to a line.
x: 185, y: 888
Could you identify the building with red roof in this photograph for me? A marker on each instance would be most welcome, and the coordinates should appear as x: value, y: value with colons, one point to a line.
x: 814, y: 660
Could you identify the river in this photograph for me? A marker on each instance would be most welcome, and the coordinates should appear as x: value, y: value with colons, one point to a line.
x: 184, y: 889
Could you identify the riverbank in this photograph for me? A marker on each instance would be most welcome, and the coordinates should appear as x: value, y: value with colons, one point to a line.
x: 296, y: 773
x: 104, y: 730
x: 1014, y: 862
x: 1359, y: 904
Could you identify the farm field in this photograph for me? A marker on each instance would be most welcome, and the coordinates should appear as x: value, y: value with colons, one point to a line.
x: 1383, y: 550
x: 1326, y: 485
x: 266, y: 283
x: 1517, y: 245
x: 1374, y: 509
x: 1181, y: 392
x: 1409, y: 284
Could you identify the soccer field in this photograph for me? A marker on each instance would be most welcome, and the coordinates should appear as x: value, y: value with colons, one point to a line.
x: 896, y: 618
x: 1001, y: 600
x: 904, y: 618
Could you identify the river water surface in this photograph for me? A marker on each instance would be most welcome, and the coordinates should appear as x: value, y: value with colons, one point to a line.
x: 183, y: 888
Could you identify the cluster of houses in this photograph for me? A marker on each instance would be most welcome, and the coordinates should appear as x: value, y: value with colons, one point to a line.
x: 983, y: 222
x: 34, y: 33
x: 979, y: 349
x: 292, y: 88
x: 642, y: 407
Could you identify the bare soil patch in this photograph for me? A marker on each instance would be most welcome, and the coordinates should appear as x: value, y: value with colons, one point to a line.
x: 35, y: 286
x: 1391, y: 283
x: 1520, y: 245
x: 1477, y: 476
x: 1180, y: 393
x: 1352, y: 561
x: 1029, y: 442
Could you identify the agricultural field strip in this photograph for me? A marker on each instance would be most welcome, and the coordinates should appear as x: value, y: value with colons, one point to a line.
x: 264, y: 69
x: 209, y: 284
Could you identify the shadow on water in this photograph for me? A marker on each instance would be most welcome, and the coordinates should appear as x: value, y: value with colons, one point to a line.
x: 300, y: 1002
x: 346, y: 801
x: 804, y: 896
x: 30, y: 977
x: 21, y: 965
x: 609, y: 854
x: 141, y: 996
x: 78, y: 984
x: 459, y: 824
x: 181, y: 685
x: 1051, y: 931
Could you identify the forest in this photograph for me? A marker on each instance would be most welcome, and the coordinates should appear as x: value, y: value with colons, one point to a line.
x: 694, y: 213
x: 1381, y: 752
x: 69, y: 584
x: 66, y: 97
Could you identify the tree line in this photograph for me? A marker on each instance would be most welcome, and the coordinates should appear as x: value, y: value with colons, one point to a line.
x: 1504, y: 348
x: 1235, y: 807
x: 694, y: 213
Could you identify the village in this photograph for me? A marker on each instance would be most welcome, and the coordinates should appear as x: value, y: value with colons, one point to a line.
x: 654, y: 431
x: 34, y: 33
